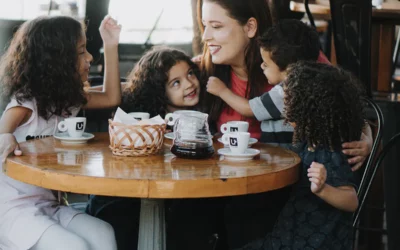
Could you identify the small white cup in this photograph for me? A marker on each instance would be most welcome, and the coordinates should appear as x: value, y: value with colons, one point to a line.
x: 237, y: 141
x: 139, y: 115
x: 75, y: 126
x: 234, y: 126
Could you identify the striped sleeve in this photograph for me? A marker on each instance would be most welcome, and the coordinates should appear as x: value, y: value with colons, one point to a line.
x: 269, y: 105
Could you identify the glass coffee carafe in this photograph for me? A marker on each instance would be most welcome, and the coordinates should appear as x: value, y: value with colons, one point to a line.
x: 192, y: 138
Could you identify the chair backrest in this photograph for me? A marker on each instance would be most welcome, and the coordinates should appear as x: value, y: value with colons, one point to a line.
x: 377, y: 126
x: 351, y: 23
x: 381, y: 156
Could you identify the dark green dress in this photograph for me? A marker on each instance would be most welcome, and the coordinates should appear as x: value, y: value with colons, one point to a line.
x: 306, y: 221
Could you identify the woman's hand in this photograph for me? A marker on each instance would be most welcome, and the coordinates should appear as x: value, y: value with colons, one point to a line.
x: 110, y: 31
x: 8, y: 145
x: 359, y: 149
x: 317, y: 176
x: 215, y: 86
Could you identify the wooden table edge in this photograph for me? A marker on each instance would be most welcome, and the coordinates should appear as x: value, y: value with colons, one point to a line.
x: 148, y: 188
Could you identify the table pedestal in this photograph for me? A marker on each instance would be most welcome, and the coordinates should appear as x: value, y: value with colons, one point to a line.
x: 152, y: 225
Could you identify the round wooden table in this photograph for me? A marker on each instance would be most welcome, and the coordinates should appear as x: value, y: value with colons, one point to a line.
x: 92, y: 169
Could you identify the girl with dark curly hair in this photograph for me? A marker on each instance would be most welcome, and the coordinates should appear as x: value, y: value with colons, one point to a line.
x: 42, y: 75
x: 164, y: 80
x: 324, y: 105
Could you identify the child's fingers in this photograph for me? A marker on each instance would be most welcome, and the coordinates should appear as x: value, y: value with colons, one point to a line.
x: 17, y: 151
x: 316, y: 175
x: 316, y: 181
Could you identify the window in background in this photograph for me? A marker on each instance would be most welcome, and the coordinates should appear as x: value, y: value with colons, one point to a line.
x: 29, y: 9
x: 171, y: 21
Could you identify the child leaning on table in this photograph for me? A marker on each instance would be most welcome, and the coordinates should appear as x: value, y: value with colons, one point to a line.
x: 162, y: 81
x: 323, y: 104
x: 284, y: 43
x: 43, y: 72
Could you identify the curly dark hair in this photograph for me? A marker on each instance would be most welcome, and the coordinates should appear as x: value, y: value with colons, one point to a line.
x: 325, y: 104
x: 289, y: 41
x: 41, y: 63
x: 146, y: 89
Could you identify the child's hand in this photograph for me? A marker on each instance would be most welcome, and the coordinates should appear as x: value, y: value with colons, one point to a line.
x: 317, y: 176
x: 197, y: 59
x: 8, y: 145
x: 215, y: 86
x: 109, y: 31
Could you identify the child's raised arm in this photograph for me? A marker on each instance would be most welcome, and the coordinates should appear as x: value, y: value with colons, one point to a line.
x: 111, y: 94
x: 342, y: 197
x: 216, y: 87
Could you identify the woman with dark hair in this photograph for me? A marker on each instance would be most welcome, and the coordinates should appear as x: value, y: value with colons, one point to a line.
x: 230, y: 29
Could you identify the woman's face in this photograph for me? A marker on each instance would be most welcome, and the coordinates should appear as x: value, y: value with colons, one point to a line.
x: 225, y: 37
x: 84, y: 59
x: 183, y: 87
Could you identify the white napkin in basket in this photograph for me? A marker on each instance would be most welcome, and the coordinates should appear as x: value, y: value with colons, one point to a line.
x: 124, y: 118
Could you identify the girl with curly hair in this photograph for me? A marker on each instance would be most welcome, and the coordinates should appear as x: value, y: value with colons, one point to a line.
x: 324, y: 105
x: 164, y: 80
x: 42, y: 75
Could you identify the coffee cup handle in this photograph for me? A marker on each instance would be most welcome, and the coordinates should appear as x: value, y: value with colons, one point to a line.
x: 170, y: 119
x: 62, y: 126
x: 224, y: 128
x: 225, y: 139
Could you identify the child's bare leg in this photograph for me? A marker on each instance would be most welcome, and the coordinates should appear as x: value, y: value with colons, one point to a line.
x: 99, y: 234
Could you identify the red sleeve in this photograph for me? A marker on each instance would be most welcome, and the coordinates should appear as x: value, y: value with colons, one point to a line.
x: 322, y: 58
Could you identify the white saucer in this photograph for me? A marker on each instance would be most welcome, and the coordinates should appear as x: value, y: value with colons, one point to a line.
x: 252, y: 141
x: 66, y: 139
x: 247, y: 155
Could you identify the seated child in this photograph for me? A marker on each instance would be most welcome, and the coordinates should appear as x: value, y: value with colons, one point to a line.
x: 324, y: 105
x: 287, y: 42
x: 164, y: 80
x: 42, y: 75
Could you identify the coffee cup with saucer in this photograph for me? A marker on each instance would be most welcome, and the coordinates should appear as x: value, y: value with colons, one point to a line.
x: 238, y: 147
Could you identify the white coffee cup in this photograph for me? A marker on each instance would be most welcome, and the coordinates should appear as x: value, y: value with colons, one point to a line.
x: 237, y: 141
x: 234, y: 126
x: 139, y: 115
x: 74, y: 125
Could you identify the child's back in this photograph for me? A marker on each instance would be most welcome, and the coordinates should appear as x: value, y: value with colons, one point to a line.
x: 287, y: 42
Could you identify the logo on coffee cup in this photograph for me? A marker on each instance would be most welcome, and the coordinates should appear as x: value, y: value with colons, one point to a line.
x: 234, y: 129
x: 138, y: 118
x: 79, y: 125
x: 233, y: 142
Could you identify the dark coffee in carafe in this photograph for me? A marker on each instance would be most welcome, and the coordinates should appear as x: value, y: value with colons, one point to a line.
x: 193, y: 150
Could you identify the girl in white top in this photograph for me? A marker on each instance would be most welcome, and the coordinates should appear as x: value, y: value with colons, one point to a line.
x: 42, y: 75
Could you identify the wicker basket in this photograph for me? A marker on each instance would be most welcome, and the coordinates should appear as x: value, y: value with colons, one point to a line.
x: 135, y: 140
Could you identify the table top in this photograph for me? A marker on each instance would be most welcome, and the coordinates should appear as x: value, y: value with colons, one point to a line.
x: 92, y: 169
